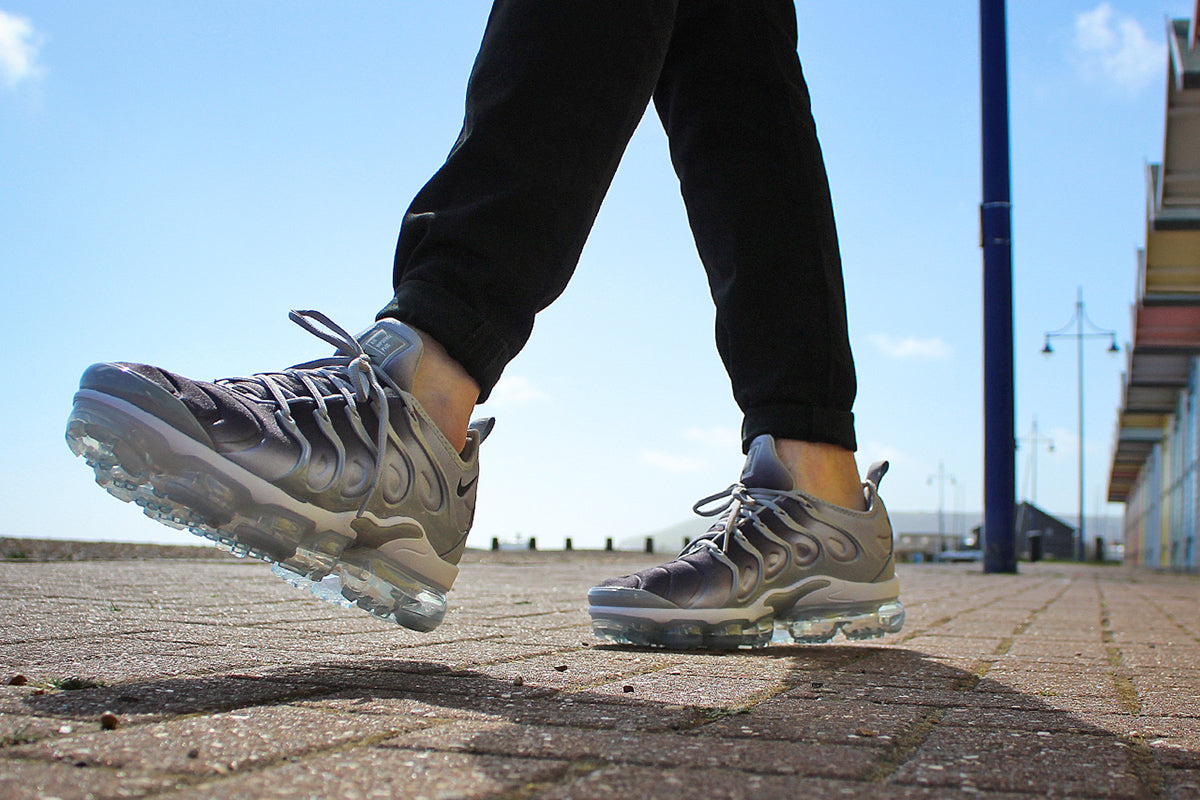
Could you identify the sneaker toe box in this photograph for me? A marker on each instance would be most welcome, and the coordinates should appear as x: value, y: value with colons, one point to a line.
x: 677, y: 584
x: 608, y: 595
x: 129, y: 383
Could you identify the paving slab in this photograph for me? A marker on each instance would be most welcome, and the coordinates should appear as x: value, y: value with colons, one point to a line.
x: 209, y: 677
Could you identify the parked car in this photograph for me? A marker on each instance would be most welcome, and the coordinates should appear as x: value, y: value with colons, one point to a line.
x: 958, y: 556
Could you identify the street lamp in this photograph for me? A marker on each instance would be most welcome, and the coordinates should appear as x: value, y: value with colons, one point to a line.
x: 1084, y: 328
x: 1036, y: 441
x: 941, y: 478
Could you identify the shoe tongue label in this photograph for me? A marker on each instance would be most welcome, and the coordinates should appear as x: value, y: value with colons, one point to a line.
x: 395, y: 348
x: 382, y: 344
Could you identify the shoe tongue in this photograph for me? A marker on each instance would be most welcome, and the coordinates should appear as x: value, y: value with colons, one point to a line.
x: 395, y: 348
x: 763, y: 468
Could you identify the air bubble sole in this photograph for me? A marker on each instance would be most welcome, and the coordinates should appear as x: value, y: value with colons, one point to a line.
x: 802, y: 625
x: 134, y: 461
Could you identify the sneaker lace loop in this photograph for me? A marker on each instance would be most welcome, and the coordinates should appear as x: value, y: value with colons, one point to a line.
x: 739, y: 507
x: 350, y: 373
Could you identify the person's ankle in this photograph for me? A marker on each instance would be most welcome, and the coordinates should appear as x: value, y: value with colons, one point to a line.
x: 445, y: 390
x: 827, y: 472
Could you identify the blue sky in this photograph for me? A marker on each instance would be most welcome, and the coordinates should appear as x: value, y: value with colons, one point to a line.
x: 176, y: 176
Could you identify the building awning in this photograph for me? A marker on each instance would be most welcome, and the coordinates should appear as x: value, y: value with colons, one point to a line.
x: 1166, y: 315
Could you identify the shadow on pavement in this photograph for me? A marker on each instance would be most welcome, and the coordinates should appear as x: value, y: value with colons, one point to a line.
x: 881, y: 721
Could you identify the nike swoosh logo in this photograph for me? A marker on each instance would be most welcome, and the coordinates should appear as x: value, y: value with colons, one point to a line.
x: 463, y: 488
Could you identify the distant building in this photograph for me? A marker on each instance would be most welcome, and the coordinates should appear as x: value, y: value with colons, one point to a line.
x: 924, y: 535
x: 912, y: 546
x: 1156, y: 455
x: 1056, y: 538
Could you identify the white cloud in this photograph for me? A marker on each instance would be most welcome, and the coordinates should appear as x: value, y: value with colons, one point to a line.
x: 1066, y: 444
x: 910, y: 346
x: 716, y: 436
x: 18, y: 50
x: 672, y: 463
x: 1114, y: 47
x: 881, y: 451
x: 513, y: 390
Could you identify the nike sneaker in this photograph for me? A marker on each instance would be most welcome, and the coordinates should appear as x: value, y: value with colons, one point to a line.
x: 776, y: 558
x: 329, y: 470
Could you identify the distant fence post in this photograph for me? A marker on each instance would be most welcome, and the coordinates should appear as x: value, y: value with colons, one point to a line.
x: 567, y: 544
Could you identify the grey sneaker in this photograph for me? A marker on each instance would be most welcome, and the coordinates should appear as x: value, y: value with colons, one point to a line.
x: 775, y: 557
x: 329, y: 470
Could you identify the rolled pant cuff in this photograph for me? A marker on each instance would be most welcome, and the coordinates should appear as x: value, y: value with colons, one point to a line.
x: 802, y: 423
x: 466, y: 335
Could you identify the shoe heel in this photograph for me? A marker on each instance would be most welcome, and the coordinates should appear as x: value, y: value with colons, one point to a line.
x: 392, y: 595
x: 378, y: 585
x: 819, y: 626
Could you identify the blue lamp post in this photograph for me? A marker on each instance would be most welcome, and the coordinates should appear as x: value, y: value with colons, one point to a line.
x: 999, y: 452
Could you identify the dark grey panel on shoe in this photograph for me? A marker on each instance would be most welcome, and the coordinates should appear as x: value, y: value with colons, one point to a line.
x: 119, y: 381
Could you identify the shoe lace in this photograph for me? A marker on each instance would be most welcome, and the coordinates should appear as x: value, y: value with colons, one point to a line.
x: 351, y: 374
x: 742, y: 507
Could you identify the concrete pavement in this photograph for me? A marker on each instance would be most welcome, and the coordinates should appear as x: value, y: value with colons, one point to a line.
x: 212, y: 678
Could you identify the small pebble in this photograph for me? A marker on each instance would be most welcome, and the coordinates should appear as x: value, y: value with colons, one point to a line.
x: 864, y: 732
x: 518, y: 681
x: 627, y: 688
x: 109, y: 721
x: 561, y: 668
x: 18, y: 680
x: 193, y: 753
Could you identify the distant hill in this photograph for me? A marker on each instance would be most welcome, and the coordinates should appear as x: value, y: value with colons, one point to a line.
x: 670, y: 539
